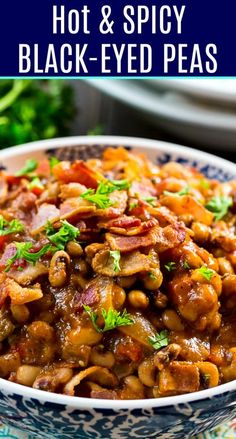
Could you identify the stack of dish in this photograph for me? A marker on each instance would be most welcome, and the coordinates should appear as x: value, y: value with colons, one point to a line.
x: 200, y: 111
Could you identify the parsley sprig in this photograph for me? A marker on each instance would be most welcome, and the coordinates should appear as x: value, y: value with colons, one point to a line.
x: 60, y: 238
x: 35, y: 183
x: 184, y: 191
x: 22, y: 252
x: 100, y: 197
x: 112, y: 318
x: 150, y: 200
x: 53, y: 161
x: 6, y: 228
x: 30, y: 166
x: 115, y: 254
x: 170, y: 266
x: 207, y: 273
x: 160, y: 340
x: 219, y: 206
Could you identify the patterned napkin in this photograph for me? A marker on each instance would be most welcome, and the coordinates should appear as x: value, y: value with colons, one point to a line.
x: 225, y: 431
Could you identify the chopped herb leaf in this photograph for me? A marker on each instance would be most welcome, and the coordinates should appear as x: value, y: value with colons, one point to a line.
x: 204, y: 183
x: 219, y: 206
x: 22, y: 252
x: 112, y: 319
x: 60, y: 238
x: 53, y: 161
x: 184, y: 191
x: 160, y: 340
x: 206, y: 272
x: 101, y: 200
x: 133, y: 206
x: 100, y: 197
x: 14, y: 226
x: 152, y: 276
x: 35, y: 183
x: 186, y: 265
x: 115, y: 254
x: 120, y: 184
x: 150, y: 200
x: 30, y: 166
x: 170, y: 266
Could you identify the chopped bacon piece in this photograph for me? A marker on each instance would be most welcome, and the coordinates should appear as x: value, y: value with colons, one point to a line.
x: 122, y: 221
x: 46, y: 212
x: 78, y: 172
x: 161, y: 238
x: 179, y: 377
x: 89, y: 296
x: 103, y: 394
x: 9, y: 252
x: 43, y: 168
x: 131, y: 263
x: 25, y: 201
x: 76, y: 207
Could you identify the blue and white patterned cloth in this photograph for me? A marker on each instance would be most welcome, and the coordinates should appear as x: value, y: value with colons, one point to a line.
x: 225, y: 431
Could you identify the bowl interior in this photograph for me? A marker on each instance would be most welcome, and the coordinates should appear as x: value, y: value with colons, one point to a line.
x: 86, y: 147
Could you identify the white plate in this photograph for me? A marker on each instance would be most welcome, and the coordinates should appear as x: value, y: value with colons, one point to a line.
x: 189, y: 120
x: 222, y: 91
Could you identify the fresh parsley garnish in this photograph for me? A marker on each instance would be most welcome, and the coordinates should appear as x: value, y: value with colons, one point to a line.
x: 133, y: 206
x: 101, y: 200
x: 170, y: 266
x: 219, y: 206
x: 152, y: 276
x: 150, y: 200
x: 22, y: 252
x: 53, y: 161
x: 160, y: 340
x: 115, y: 254
x: 204, y: 184
x: 100, y: 197
x: 184, y: 191
x: 206, y: 272
x: 6, y: 228
x: 119, y: 185
x: 30, y: 166
x: 60, y: 238
x: 112, y: 318
x: 35, y: 183
x: 186, y: 265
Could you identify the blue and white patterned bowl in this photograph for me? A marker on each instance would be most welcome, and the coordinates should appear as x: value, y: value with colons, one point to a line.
x: 50, y: 415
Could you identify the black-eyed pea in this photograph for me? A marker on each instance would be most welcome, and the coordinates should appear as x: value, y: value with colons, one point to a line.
x: 229, y: 284
x: 41, y: 330
x: 147, y: 372
x: 160, y: 299
x: 209, y: 277
x: 99, y: 357
x: 58, y: 269
x: 153, y: 279
x: 83, y: 336
x: 26, y: 374
x: 209, y: 373
x: 225, y: 266
x: 187, y: 218
x: 82, y: 267
x: 126, y: 281
x: 172, y: 321
x: 138, y: 299
x: 20, y: 313
x: 201, y: 231
x: 119, y: 296
x: 74, y: 249
x: 134, y: 384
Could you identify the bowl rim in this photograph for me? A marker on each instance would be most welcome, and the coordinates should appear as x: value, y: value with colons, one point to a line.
x: 90, y: 403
